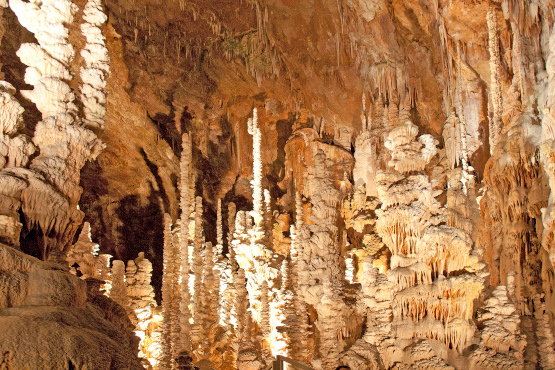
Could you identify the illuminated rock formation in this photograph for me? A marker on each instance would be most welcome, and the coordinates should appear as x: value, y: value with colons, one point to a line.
x: 496, y: 89
x: 427, y: 294
x: 185, y: 313
x: 168, y: 346
x: 501, y: 344
x: 83, y: 255
x: 119, y: 288
x: 412, y: 231
x: 144, y: 309
x: 64, y: 144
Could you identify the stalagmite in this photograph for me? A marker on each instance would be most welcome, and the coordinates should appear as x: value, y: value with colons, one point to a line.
x: 427, y: 295
x: 501, y: 344
x: 141, y: 294
x: 167, y: 359
x: 197, y: 255
x: 64, y: 144
x: 496, y: 86
x: 185, y: 302
x: 256, y: 183
x: 119, y: 288
x: 83, y: 255
x: 219, y: 231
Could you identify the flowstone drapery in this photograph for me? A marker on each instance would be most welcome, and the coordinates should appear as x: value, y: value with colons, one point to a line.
x: 428, y: 290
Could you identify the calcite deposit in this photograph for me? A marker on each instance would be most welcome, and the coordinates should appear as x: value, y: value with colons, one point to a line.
x: 203, y: 184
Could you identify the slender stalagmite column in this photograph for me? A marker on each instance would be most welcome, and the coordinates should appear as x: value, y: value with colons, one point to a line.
x: 166, y: 345
x: 257, y: 195
x: 184, y: 244
x: 496, y: 87
x: 197, y: 270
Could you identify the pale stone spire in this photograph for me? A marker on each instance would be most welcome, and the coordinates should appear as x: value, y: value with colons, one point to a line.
x: 166, y: 359
x: 185, y: 164
x: 496, y: 85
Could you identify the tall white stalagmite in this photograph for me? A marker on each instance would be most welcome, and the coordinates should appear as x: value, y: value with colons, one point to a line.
x: 256, y: 183
x: 296, y: 318
x: 496, y: 85
x: 166, y: 359
x: 184, y: 243
x: 219, y: 232
x: 228, y: 273
x: 460, y: 112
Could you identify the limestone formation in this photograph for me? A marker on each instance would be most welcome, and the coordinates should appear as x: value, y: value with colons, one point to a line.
x: 83, y: 255
x: 51, y: 191
x: 411, y: 229
x: 185, y: 313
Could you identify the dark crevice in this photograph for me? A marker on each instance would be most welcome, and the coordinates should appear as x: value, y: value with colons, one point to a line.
x: 142, y: 230
x: 155, y: 172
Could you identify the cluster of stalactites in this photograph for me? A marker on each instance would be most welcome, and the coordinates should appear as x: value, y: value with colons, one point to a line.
x: 430, y: 292
x: 408, y: 155
x: 452, y: 139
